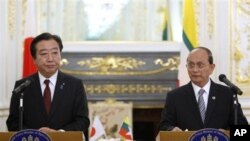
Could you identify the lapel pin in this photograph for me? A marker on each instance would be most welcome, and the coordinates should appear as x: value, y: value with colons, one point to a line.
x: 61, y: 87
x: 213, y: 97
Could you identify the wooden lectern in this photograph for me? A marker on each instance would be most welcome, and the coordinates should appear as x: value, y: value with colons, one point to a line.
x: 54, y: 136
x: 176, y: 135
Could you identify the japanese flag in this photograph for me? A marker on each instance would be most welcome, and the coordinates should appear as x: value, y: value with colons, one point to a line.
x: 97, y: 129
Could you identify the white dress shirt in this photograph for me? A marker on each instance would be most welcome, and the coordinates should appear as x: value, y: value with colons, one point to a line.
x: 205, y: 94
x: 52, y: 83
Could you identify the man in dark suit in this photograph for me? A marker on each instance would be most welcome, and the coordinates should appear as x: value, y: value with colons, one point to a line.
x: 65, y: 106
x: 201, y: 103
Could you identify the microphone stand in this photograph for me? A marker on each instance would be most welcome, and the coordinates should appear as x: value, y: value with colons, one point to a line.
x: 21, y: 112
x: 236, y: 104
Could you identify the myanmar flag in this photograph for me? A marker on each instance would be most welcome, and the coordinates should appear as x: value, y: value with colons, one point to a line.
x: 190, y: 35
x: 165, y: 24
x: 125, y: 130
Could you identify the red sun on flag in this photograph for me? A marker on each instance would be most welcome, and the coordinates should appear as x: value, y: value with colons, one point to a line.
x: 93, y: 131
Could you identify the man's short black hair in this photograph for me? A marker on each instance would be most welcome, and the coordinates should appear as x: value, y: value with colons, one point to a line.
x: 44, y: 36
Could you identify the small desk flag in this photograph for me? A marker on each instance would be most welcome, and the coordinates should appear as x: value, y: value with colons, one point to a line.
x: 125, y: 130
x: 97, y: 129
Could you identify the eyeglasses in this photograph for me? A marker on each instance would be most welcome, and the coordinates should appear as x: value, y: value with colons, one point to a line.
x: 199, y: 65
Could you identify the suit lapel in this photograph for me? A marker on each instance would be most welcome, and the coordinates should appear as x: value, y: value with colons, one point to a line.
x: 194, y: 105
x: 38, y: 93
x: 58, y: 94
x: 211, y: 102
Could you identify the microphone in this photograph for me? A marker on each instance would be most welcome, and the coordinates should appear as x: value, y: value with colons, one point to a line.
x: 224, y: 79
x: 21, y: 87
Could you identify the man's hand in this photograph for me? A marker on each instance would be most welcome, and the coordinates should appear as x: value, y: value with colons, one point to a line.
x: 46, y: 129
x: 176, y: 129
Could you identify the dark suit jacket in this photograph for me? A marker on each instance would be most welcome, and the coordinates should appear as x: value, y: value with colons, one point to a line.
x: 181, y: 109
x: 69, y: 110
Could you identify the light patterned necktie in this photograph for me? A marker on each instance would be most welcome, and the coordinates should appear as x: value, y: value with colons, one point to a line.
x: 201, y: 104
x: 47, y: 96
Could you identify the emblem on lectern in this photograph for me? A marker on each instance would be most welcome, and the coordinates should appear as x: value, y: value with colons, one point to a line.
x: 30, y: 135
x: 209, y: 134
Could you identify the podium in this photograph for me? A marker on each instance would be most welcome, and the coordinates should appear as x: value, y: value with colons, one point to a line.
x: 177, y: 135
x: 54, y: 136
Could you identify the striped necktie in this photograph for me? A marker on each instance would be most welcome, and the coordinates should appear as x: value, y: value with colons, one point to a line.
x: 201, y: 104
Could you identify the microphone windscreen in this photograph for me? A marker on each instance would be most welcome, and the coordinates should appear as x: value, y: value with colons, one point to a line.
x: 221, y: 77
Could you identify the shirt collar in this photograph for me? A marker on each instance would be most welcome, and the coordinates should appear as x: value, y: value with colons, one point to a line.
x: 206, y: 87
x: 52, y: 79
